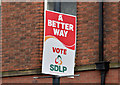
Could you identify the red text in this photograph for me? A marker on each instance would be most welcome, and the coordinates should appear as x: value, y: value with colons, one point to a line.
x: 59, y: 50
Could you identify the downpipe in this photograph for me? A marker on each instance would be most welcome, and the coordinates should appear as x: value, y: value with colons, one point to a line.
x: 103, y: 76
x: 102, y: 66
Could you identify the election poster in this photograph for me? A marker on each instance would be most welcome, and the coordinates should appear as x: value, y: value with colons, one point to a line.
x: 59, y: 43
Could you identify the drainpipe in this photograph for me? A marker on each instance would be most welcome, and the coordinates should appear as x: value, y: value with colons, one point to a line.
x: 101, y: 29
x: 102, y: 65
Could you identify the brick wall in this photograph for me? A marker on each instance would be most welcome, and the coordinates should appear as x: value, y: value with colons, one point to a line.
x: 22, y: 40
x: 21, y: 31
x: 85, y: 78
x: 119, y: 35
x: 119, y: 42
x: 41, y: 30
x: 111, y: 30
x: 87, y: 33
x: 22, y: 28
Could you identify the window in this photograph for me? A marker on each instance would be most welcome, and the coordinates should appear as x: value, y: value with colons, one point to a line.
x: 66, y: 7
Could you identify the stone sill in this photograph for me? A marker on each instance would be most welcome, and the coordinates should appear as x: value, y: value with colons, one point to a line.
x: 38, y: 71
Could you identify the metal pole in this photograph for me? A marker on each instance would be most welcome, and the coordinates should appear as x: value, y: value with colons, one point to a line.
x: 45, y: 5
x: 56, y: 80
x: 57, y: 7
